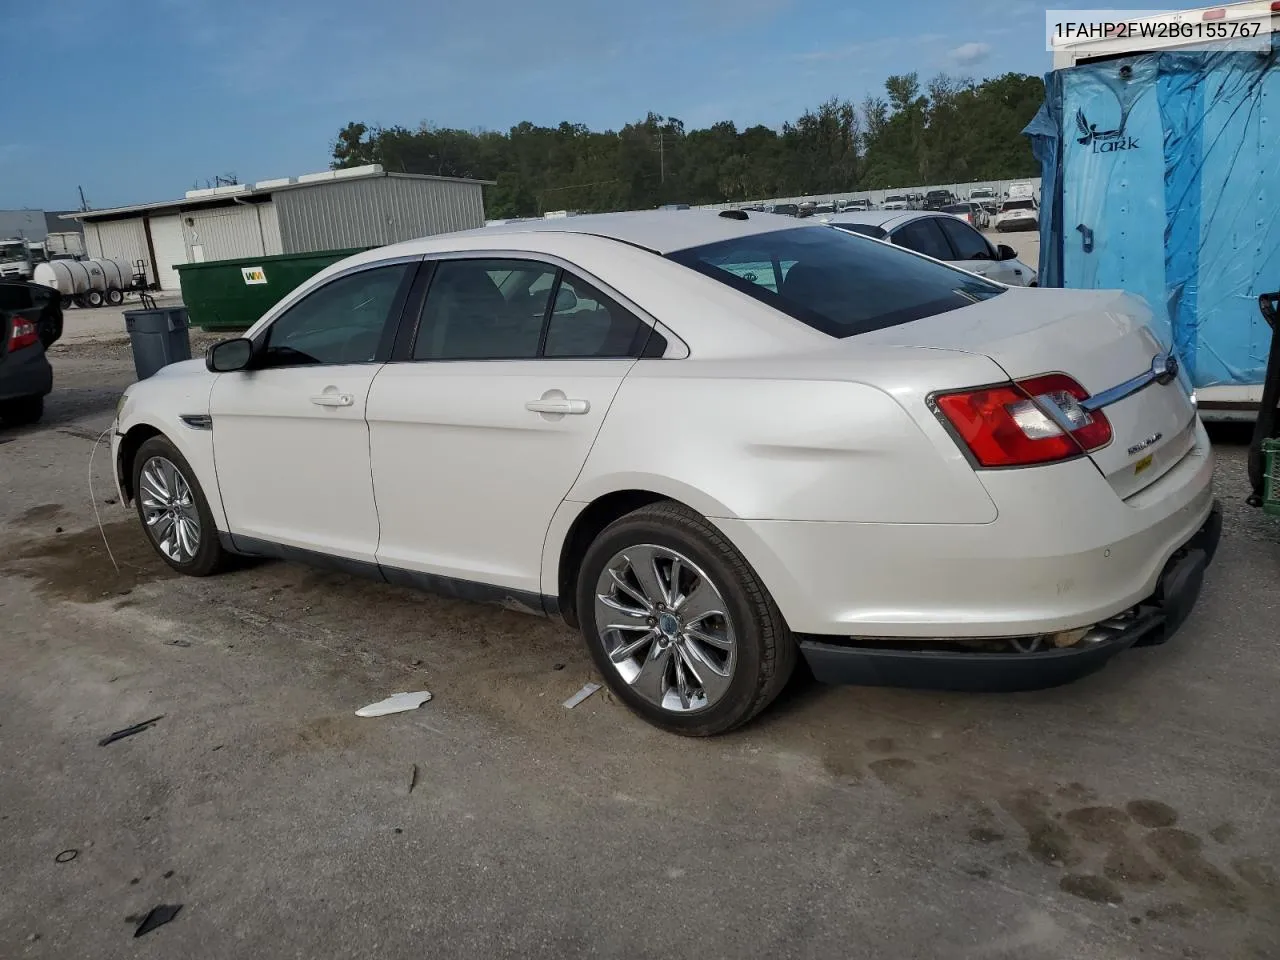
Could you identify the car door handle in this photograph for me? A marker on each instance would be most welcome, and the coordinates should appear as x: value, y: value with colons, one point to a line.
x: 333, y: 400
x: 561, y: 405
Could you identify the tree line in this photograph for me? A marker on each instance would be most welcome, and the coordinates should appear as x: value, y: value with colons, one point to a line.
x: 949, y: 130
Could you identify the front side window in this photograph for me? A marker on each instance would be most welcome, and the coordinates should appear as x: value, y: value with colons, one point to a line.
x: 835, y: 281
x: 341, y: 322
x: 924, y: 236
x: 968, y: 242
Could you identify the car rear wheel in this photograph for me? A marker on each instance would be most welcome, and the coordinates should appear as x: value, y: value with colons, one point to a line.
x: 174, y: 511
x: 22, y: 410
x: 678, y: 623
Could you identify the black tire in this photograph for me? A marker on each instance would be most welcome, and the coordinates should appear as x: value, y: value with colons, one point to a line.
x: 209, y: 557
x: 22, y: 411
x: 766, y: 652
x: 67, y: 302
x: 115, y: 297
x: 94, y: 298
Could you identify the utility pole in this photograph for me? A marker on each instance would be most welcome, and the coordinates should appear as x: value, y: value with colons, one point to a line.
x: 662, y: 155
x: 83, y: 203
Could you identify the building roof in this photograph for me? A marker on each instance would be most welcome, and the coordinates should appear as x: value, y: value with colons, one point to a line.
x: 662, y: 231
x: 258, y: 192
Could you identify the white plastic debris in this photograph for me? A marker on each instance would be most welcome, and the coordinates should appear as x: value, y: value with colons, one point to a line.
x: 396, y: 703
x: 577, y: 698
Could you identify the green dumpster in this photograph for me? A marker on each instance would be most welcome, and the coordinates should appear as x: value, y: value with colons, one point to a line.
x: 233, y: 294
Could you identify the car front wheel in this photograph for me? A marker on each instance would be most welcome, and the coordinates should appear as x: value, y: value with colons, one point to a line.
x: 678, y: 623
x: 174, y: 511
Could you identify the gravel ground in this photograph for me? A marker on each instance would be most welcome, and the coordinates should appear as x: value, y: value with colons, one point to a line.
x: 1131, y: 813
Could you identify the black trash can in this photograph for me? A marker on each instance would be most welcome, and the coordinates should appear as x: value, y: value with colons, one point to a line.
x: 158, y: 338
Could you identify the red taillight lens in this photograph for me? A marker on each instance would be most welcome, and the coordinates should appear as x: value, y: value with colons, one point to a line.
x: 23, y: 333
x: 1011, y: 424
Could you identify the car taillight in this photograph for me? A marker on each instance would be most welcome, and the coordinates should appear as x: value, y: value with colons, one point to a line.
x: 23, y: 334
x: 1038, y: 420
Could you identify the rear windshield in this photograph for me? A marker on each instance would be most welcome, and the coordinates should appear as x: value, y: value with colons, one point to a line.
x: 958, y: 208
x: 835, y: 281
x: 1018, y: 205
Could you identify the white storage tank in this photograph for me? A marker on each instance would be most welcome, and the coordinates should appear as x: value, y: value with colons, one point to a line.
x: 86, y: 282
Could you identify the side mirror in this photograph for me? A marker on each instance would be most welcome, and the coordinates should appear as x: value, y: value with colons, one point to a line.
x: 1006, y: 252
x: 228, y: 355
x: 566, y: 299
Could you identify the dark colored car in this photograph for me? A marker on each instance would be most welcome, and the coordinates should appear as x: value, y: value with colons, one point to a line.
x: 30, y: 323
x: 937, y: 199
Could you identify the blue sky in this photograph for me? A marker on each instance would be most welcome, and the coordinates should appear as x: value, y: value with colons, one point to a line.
x: 138, y: 101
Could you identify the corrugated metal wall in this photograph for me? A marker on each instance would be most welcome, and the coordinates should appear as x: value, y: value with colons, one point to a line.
x: 226, y: 233
x: 378, y: 210
x: 119, y: 240
x: 269, y: 220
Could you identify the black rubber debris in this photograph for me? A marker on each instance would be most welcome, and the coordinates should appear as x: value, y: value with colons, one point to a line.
x: 158, y: 917
x: 66, y: 856
x: 129, y: 731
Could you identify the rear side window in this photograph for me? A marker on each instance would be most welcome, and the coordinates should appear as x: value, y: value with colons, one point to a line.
x: 835, y: 281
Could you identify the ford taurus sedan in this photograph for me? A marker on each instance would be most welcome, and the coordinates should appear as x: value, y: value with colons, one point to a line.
x: 715, y: 443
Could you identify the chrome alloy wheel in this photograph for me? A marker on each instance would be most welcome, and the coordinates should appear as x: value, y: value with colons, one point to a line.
x: 169, y: 510
x: 665, y: 628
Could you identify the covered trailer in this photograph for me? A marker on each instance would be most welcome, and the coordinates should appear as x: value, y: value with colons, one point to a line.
x: 1160, y: 160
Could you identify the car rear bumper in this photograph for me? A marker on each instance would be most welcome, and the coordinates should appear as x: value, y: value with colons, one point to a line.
x: 25, y: 373
x: 1151, y: 622
x: 1064, y: 552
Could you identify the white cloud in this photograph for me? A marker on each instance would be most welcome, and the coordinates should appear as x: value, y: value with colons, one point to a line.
x: 968, y: 54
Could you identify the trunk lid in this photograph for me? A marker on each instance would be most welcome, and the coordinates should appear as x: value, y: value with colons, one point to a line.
x: 1099, y: 338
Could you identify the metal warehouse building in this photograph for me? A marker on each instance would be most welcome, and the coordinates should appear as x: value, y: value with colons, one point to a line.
x: 337, y: 209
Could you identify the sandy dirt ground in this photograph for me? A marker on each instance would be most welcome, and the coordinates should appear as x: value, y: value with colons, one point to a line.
x: 1129, y: 814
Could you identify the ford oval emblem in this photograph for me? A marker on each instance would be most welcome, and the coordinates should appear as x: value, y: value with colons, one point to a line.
x: 1164, y: 367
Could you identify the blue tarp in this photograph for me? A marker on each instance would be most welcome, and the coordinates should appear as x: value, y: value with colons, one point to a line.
x: 1160, y: 175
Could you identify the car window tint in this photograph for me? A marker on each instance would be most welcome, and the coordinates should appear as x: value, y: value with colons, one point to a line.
x: 866, y: 229
x: 923, y: 236
x: 341, y: 322
x: 838, y: 282
x: 587, y: 323
x: 968, y: 242
x: 484, y: 310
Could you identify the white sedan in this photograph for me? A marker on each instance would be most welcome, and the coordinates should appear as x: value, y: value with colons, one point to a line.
x: 943, y: 236
x: 715, y: 442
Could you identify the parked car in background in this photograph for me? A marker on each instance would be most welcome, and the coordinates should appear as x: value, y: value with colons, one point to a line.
x: 943, y: 237
x: 822, y: 208
x: 1021, y: 214
x: 856, y: 205
x: 937, y: 199
x: 896, y: 202
x: 970, y: 212
x: 786, y: 209
x: 916, y: 201
x: 476, y: 415
x: 30, y: 323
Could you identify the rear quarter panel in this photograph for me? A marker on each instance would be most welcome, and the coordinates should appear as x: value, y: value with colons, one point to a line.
x: 807, y: 442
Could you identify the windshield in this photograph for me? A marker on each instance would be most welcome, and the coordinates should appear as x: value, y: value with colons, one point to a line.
x: 894, y: 199
x: 1018, y: 205
x: 835, y: 281
x: 958, y: 208
x: 13, y: 250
